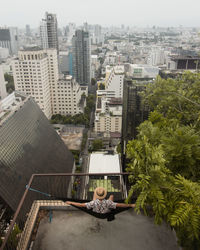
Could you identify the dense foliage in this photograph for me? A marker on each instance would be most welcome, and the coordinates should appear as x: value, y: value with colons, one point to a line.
x: 97, y: 144
x: 165, y: 157
x: 10, y: 87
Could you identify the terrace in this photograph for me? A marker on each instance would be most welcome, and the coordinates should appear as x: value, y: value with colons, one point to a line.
x: 45, y: 221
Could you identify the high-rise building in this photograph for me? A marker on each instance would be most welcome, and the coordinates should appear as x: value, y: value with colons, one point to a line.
x: 28, y: 30
x: 97, y: 36
x: 3, y: 92
x: 114, y: 80
x: 49, y: 32
x: 9, y: 39
x: 35, y: 73
x: 134, y: 112
x: 28, y: 145
x: 81, y: 57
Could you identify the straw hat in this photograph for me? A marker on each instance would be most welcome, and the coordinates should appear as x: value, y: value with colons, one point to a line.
x: 100, y: 193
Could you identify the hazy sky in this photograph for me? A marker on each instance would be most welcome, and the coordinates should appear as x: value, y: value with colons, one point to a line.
x: 104, y: 12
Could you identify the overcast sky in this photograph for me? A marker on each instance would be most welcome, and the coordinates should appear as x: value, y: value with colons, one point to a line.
x: 104, y: 12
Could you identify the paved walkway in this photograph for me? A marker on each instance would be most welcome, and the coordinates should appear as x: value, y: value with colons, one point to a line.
x: 76, y: 230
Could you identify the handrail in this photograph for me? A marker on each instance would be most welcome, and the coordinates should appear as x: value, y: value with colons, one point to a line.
x: 49, y: 174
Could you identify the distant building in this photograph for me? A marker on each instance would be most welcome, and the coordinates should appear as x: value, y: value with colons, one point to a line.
x: 81, y: 57
x: 66, y: 63
x: 9, y: 39
x: 108, y: 116
x: 143, y: 71
x: 35, y: 73
x: 69, y: 100
x: 28, y: 145
x: 156, y: 57
x: 3, y: 92
x: 94, y: 65
x: 28, y: 30
x: 187, y: 62
x: 49, y: 32
x: 114, y: 80
x: 97, y: 36
x: 4, y: 53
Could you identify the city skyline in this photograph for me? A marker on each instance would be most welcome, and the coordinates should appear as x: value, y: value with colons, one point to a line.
x: 129, y: 13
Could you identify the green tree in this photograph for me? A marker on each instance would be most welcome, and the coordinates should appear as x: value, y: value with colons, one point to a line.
x: 93, y: 81
x: 101, y: 86
x: 10, y: 87
x: 164, y: 159
x: 97, y: 145
x: 176, y: 98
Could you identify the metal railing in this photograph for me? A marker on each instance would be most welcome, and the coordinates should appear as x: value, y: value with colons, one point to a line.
x: 60, y: 187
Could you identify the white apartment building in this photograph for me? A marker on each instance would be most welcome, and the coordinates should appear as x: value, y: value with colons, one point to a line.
x: 4, y: 53
x: 156, y: 57
x: 35, y: 73
x: 3, y: 92
x: 94, y: 65
x: 68, y: 98
x: 114, y: 80
x: 108, y: 115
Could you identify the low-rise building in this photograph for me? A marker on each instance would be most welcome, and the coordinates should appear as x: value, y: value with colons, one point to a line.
x: 68, y: 99
x: 108, y: 115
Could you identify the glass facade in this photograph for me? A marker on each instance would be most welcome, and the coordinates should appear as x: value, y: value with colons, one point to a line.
x: 28, y: 145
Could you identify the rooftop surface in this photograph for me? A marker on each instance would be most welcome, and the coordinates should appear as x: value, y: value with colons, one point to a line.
x: 104, y: 163
x: 77, y: 230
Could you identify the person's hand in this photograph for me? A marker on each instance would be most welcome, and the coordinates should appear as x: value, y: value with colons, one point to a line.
x: 132, y: 205
x: 68, y: 202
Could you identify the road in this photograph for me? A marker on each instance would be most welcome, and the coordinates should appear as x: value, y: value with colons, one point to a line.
x: 85, y: 157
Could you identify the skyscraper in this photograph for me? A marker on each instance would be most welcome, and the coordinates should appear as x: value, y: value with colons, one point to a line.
x: 81, y: 57
x: 9, y: 39
x: 134, y: 112
x: 28, y: 145
x: 49, y: 32
x: 28, y: 30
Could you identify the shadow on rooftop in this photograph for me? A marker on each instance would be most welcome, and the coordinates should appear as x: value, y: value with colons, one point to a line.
x: 76, y: 230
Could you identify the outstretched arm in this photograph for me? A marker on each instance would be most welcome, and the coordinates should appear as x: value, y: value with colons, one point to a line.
x: 124, y: 205
x: 76, y: 204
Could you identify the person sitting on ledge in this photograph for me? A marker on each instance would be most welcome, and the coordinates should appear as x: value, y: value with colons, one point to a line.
x: 99, y: 204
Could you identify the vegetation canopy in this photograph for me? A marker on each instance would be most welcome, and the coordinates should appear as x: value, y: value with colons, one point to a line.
x: 165, y: 157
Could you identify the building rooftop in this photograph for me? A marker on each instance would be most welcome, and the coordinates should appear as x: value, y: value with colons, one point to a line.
x: 115, y: 101
x: 11, y: 104
x: 76, y: 230
x: 31, y: 48
x: 104, y: 163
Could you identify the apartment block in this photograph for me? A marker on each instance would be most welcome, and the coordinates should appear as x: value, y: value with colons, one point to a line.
x: 35, y: 73
x: 68, y: 99
x: 108, y: 115
x: 114, y: 80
